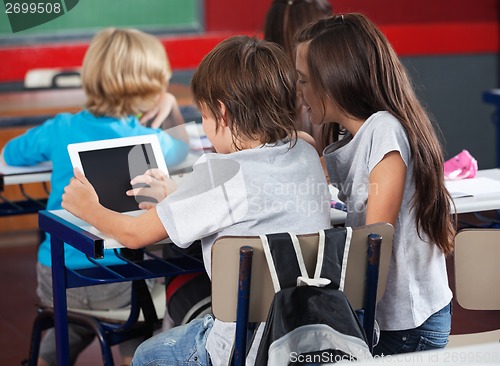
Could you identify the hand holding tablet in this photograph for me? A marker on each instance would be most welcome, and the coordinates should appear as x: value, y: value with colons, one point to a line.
x: 154, y: 185
x: 110, y: 165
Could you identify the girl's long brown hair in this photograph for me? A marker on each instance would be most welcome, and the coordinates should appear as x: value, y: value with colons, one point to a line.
x: 285, y: 17
x: 352, y: 63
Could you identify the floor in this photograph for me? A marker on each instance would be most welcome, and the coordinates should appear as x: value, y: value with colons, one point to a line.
x: 18, y: 305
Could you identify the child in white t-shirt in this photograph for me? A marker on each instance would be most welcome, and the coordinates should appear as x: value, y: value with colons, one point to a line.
x: 261, y: 180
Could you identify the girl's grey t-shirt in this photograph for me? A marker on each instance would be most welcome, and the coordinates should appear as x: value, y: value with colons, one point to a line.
x: 268, y: 189
x: 417, y: 284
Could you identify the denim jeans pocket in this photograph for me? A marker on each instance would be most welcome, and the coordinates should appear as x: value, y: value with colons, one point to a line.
x: 392, y: 342
x: 432, y: 340
x: 438, y: 325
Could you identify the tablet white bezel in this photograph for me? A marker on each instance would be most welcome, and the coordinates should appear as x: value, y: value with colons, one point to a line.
x: 152, y: 139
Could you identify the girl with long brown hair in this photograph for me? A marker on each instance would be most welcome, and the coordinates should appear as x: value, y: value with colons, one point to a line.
x: 283, y: 19
x: 388, y: 167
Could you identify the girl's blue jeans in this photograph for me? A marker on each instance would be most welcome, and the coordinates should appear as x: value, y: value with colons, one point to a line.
x: 183, y: 345
x: 432, y: 334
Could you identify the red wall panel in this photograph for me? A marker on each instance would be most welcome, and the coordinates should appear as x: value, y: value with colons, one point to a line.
x: 422, y: 11
x: 235, y: 15
x: 230, y: 15
x: 423, y: 27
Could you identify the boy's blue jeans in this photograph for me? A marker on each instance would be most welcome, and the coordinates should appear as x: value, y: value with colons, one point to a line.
x: 183, y: 345
x: 432, y: 334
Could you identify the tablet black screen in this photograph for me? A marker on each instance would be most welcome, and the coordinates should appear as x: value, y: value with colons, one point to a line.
x: 110, y: 171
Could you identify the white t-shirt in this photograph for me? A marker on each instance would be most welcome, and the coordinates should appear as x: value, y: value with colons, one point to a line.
x: 417, y: 284
x: 268, y: 189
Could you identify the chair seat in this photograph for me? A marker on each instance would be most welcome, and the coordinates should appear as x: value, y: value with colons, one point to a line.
x: 476, y: 279
x: 121, y: 315
x: 458, y: 340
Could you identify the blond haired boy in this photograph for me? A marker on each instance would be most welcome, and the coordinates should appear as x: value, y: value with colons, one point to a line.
x: 125, y: 73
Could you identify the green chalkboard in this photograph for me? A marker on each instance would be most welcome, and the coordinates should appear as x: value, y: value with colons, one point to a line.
x: 84, y: 17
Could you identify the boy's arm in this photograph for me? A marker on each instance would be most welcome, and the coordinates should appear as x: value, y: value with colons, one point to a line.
x: 80, y: 199
x: 30, y: 148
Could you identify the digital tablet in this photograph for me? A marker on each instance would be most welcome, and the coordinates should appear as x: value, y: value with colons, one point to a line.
x: 110, y: 165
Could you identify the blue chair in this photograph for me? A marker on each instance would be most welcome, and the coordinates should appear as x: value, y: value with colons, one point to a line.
x: 136, y: 269
x: 110, y: 326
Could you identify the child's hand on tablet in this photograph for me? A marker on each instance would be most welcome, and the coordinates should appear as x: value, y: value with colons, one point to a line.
x: 80, y: 197
x: 153, y: 185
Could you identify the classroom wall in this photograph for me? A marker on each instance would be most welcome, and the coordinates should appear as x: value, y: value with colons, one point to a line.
x: 450, y: 47
x: 451, y: 88
x: 249, y: 15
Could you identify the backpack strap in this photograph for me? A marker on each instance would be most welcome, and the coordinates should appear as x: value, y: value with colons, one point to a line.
x: 286, y: 263
x: 284, y: 259
x: 333, y: 252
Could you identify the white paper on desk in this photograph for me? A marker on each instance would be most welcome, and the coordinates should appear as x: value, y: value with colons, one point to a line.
x: 197, y: 138
x: 472, y: 187
x: 202, y: 143
x: 5, y: 169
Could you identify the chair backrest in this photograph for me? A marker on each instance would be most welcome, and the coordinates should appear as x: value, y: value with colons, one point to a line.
x: 477, y: 269
x: 53, y: 78
x: 225, y: 270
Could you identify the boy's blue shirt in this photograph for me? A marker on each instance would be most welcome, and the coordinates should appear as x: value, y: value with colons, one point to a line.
x: 49, y: 141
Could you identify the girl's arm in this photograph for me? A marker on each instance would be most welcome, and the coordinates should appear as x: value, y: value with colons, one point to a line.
x: 167, y: 115
x: 80, y: 199
x: 174, y: 123
x: 160, y: 112
x: 387, y: 181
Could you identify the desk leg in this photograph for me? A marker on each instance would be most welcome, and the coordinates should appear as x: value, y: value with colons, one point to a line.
x: 59, y: 299
x: 496, y: 120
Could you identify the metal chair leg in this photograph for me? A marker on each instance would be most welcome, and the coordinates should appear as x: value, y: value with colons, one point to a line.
x: 239, y: 354
x: 374, y: 243
x: 44, y: 320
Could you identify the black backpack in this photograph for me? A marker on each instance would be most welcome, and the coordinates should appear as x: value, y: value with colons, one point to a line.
x: 310, y: 320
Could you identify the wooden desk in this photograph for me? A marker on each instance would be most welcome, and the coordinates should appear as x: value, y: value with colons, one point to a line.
x: 10, y: 175
x: 481, y: 202
x: 24, y: 202
x: 21, y: 110
x: 28, y: 108
x: 41, y: 173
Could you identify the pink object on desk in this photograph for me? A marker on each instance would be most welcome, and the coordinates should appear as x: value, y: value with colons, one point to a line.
x: 461, y: 166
